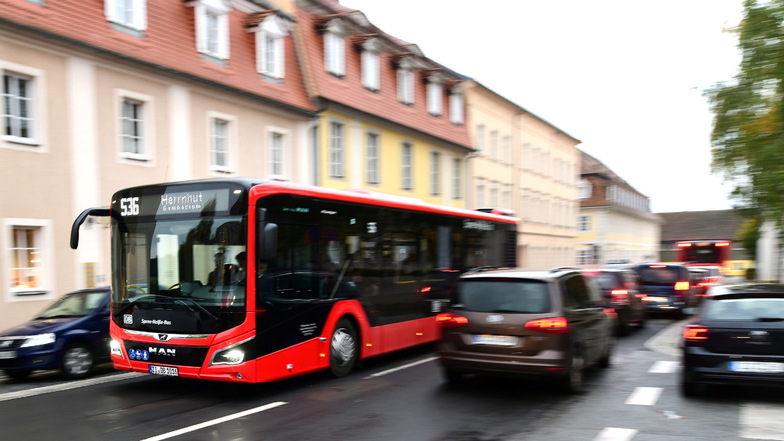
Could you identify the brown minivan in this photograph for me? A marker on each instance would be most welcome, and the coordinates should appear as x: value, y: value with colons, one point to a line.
x: 550, y: 324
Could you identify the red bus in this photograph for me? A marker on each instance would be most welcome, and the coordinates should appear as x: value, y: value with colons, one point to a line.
x: 252, y: 281
x: 704, y: 252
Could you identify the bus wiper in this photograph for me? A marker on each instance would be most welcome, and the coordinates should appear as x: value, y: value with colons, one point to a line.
x: 133, y: 302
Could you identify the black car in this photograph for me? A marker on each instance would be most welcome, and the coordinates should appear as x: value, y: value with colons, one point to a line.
x: 619, y: 289
x: 535, y: 324
x: 71, y: 335
x: 737, y: 337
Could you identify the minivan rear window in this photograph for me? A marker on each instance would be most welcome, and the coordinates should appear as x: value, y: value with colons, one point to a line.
x: 658, y: 276
x: 503, y: 295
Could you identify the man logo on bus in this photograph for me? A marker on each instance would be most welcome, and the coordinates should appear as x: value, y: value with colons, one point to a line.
x: 169, y: 352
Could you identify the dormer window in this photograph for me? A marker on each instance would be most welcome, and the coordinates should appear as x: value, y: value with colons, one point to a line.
x: 212, y: 28
x: 335, y: 48
x: 371, y: 65
x: 435, y: 94
x: 456, y: 105
x: 270, y: 47
x: 405, y: 81
x: 127, y: 14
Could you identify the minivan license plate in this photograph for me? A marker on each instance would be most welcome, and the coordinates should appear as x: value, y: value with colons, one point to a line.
x: 496, y: 340
x: 164, y: 370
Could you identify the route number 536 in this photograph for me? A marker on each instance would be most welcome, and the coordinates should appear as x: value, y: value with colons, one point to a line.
x: 129, y: 206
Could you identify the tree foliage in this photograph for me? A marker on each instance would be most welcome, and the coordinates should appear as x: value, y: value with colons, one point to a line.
x: 748, y: 130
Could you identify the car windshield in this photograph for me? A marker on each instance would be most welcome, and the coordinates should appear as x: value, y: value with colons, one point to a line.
x: 503, y: 295
x: 747, y: 309
x: 73, y: 305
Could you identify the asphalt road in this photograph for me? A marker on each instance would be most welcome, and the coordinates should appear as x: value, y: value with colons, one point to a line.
x: 396, y: 397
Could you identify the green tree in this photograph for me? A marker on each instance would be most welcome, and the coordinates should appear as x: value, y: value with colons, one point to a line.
x: 748, y: 131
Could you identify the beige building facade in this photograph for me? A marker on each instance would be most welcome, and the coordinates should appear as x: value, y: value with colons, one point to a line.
x: 524, y: 164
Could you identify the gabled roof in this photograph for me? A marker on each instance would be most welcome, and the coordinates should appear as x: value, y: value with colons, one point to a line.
x: 700, y: 225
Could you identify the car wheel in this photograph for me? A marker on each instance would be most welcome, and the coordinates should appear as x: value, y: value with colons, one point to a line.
x: 452, y: 375
x: 344, y: 348
x: 690, y: 387
x: 573, y: 382
x: 77, y: 361
x: 606, y: 360
x: 18, y: 374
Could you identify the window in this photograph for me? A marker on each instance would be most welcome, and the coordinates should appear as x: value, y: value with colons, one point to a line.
x: 371, y: 65
x: 480, y: 138
x: 585, y: 189
x: 132, y: 123
x: 506, y: 149
x: 130, y: 14
x: 493, y: 144
x: 435, y: 173
x: 18, y: 107
x: 406, y: 165
x: 275, y: 155
x: 220, y: 145
x: 336, y: 150
x: 405, y: 82
x: 27, y: 252
x: 335, y: 49
x: 372, y: 157
x: 480, y: 193
x: 434, y: 95
x: 212, y: 28
x: 583, y: 223
x: 271, y: 49
x: 456, y: 106
x: 457, y: 190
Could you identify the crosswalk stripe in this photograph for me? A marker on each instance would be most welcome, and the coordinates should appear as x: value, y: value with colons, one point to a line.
x: 644, y: 396
x: 615, y: 434
x: 761, y: 421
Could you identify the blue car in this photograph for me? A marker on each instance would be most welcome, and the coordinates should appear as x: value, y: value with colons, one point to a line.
x: 667, y: 288
x: 71, y: 335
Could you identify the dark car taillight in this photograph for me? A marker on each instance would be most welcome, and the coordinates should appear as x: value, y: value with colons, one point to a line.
x: 619, y: 296
x: 695, y: 333
x: 448, y: 320
x: 554, y: 325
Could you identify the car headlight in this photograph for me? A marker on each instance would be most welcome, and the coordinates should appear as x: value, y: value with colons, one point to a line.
x: 39, y: 340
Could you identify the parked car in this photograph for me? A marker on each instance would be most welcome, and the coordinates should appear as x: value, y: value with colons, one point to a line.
x: 667, y: 288
x: 619, y: 289
x: 71, y: 335
x: 550, y: 324
x: 736, y: 338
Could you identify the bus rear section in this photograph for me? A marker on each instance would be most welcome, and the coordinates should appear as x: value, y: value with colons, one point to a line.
x: 251, y: 281
x: 708, y: 253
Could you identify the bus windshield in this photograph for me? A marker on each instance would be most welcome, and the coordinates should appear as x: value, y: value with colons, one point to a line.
x: 180, y: 275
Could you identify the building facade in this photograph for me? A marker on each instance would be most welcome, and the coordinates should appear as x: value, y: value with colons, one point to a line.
x: 527, y: 165
x: 615, y: 222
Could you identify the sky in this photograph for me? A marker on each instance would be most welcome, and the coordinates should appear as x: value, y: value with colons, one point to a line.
x: 627, y: 78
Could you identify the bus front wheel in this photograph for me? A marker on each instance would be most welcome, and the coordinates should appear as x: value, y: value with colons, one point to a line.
x: 344, y: 348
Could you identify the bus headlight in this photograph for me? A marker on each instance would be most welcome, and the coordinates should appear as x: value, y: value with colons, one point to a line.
x: 232, y: 355
x: 39, y: 340
x: 115, y: 348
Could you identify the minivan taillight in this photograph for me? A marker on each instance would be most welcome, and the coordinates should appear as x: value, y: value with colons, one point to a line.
x: 695, y: 333
x: 554, y: 325
x: 448, y: 320
x: 681, y: 286
x: 619, y: 296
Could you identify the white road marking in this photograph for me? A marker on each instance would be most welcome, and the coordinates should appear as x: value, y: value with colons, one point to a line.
x: 762, y: 421
x: 67, y: 386
x: 664, y: 367
x: 399, y: 368
x: 233, y: 416
x: 644, y: 396
x: 615, y: 434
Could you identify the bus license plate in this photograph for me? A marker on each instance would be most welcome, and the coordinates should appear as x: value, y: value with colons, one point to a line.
x: 164, y: 370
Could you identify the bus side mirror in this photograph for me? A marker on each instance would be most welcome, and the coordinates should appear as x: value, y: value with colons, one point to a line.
x: 80, y: 220
x: 266, y: 242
